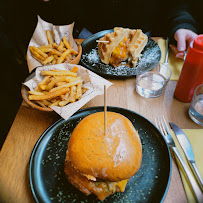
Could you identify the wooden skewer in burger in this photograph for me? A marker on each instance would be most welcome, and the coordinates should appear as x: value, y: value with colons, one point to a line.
x: 100, y: 161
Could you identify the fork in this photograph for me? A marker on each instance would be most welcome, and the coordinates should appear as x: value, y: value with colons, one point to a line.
x: 162, y: 125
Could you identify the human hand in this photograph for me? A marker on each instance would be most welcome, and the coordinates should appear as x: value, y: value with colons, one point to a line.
x: 183, y: 37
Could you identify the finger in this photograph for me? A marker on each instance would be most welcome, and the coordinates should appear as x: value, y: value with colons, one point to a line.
x: 181, y: 41
x: 180, y: 55
x: 177, y: 54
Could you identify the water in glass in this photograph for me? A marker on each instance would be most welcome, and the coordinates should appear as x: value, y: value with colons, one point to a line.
x: 150, y: 84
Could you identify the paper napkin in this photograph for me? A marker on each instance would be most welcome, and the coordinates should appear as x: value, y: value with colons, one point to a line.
x: 175, y: 63
x: 196, y: 139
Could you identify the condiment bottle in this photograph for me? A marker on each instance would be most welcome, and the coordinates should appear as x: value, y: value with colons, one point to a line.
x: 192, y: 71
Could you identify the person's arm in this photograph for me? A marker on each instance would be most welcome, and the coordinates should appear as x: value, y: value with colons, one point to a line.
x: 182, y: 28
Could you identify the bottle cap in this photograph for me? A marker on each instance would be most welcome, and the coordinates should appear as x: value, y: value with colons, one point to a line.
x: 198, y: 43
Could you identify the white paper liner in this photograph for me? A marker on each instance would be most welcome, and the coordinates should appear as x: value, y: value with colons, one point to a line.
x: 93, y: 82
x: 39, y: 38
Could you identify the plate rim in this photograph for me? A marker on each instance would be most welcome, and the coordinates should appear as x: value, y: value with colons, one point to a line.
x: 78, y: 112
x: 102, y: 33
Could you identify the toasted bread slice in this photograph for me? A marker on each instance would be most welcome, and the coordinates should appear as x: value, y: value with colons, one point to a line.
x: 106, y: 48
x: 137, y: 48
x: 133, y: 35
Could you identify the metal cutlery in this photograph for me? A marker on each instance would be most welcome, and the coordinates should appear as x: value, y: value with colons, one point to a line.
x: 162, y: 125
x: 187, y: 149
x: 163, y: 70
x: 167, y: 51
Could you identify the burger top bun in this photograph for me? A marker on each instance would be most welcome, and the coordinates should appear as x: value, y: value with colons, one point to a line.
x: 111, y: 157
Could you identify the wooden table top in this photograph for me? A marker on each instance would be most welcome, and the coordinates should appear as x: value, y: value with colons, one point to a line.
x: 29, y: 125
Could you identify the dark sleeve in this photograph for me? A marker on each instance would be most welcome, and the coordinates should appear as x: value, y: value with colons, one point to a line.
x: 180, y: 17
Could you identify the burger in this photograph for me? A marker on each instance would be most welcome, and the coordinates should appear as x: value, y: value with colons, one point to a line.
x: 102, y: 163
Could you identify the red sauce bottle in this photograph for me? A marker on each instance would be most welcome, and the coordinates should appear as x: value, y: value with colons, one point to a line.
x: 192, y: 72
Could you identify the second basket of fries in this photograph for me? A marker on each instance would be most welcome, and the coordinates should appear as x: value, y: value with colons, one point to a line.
x: 51, y: 44
x: 63, y: 88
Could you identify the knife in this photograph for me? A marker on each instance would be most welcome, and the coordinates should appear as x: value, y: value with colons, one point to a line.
x: 187, y: 149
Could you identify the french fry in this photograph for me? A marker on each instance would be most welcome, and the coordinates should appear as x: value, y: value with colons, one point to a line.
x: 53, y: 62
x: 54, y: 45
x: 65, y: 96
x: 66, y: 43
x: 42, y: 87
x: 63, y: 49
x: 73, y: 52
x: 54, y: 81
x: 70, y: 84
x: 48, y: 59
x: 69, y: 58
x: 37, y: 55
x: 72, y: 94
x: 63, y: 103
x: 50, y: 95
x: 60, y: 83
x: 44, y: 103
x: 75, y: 69
x: 40, y: 52
x: 61, y: 46
x: 42, y: 84
x: 45, y: 80
x: 41, y: 104
x: 38, y: 58
x: 49, y: 37
x: 58, y: 73
x: 55, y: 70
x: 56, y: 57
x: 72, y: 79
x: 71, y: 97
x: 63, y: 56
x: 66, y: 54
x: 78, y: 94
x: 53, y: 100
x: 45, y: 48
x: 56, y: 103
x: 55, y: 52
x: 35, y: 93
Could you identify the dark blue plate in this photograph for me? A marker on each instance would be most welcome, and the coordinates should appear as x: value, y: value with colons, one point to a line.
x: 47, y: 178
x: 91, y: 60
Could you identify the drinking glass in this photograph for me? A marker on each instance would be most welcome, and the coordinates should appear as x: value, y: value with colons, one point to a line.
x: 196, y: 106
x: 152, y: 84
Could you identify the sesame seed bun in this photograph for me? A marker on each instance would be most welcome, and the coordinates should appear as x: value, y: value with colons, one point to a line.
x: 112, y: 157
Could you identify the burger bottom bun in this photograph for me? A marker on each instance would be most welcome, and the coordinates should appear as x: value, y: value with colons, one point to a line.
x: 82, y: 183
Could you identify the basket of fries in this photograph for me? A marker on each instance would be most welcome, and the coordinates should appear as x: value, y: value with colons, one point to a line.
x: 57, y: 88
x: 51, y: 44
x: 63, y: 88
